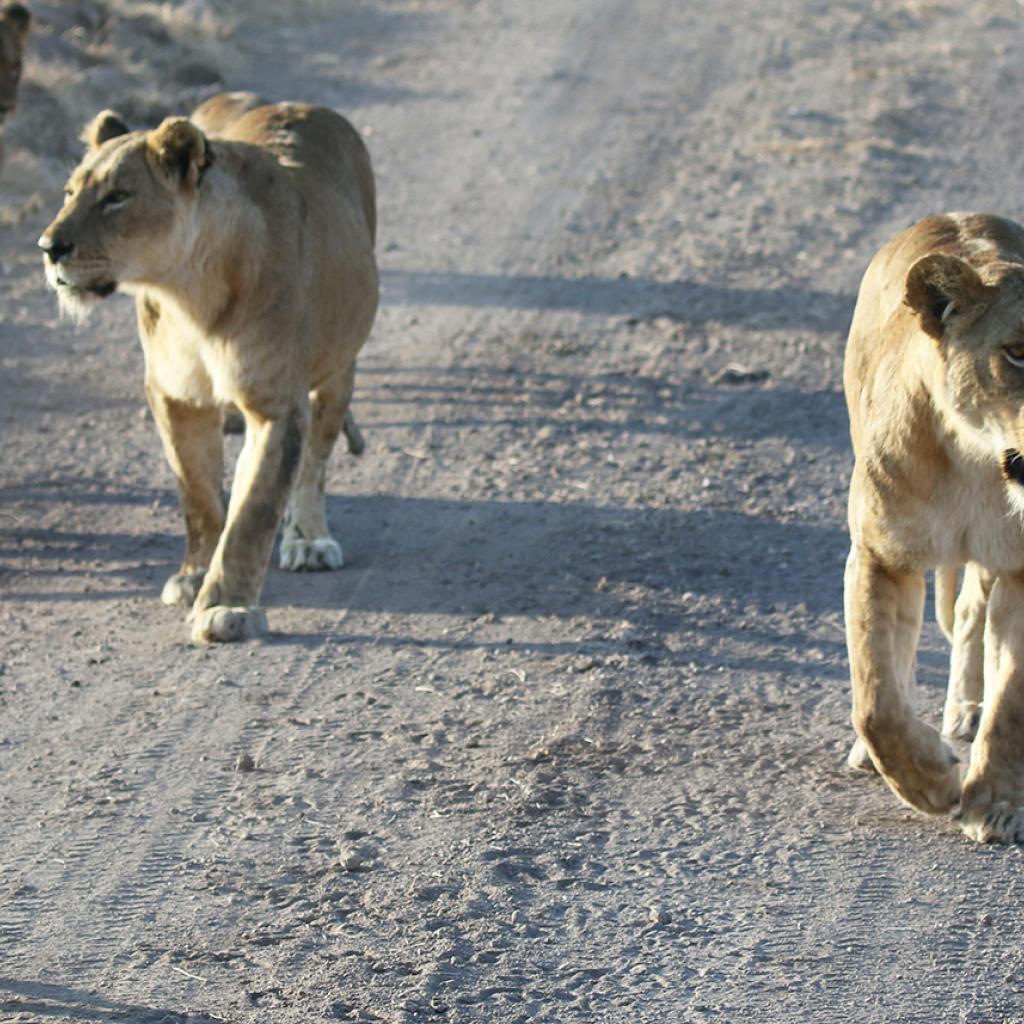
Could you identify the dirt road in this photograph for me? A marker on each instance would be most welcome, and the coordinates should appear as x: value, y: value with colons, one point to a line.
x: 564, y: 740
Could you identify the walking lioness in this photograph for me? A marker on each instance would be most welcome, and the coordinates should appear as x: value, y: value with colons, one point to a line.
x: 934, y: 382
x: 246, y: 235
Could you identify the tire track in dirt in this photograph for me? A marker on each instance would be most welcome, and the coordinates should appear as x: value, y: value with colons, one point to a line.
x: 163, y: 777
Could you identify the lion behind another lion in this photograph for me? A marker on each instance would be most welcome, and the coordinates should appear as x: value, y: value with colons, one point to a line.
x: 14, y: 25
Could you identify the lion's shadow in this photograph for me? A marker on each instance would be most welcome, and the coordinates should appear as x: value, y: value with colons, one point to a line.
x: 43, y: 1000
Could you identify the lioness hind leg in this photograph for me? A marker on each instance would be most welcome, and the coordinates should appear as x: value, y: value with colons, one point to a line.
x: 191, y: 437
x: 306, y: 541
x: 883, y: 616
x: 992, y: 804
x: 967, y: 662
x: 859, y: 757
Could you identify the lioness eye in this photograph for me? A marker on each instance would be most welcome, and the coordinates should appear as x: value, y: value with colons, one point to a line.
x: 114, y: 199
x: 1015, y: 354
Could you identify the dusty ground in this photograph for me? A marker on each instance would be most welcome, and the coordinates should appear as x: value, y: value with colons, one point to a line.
x: 575, y: 713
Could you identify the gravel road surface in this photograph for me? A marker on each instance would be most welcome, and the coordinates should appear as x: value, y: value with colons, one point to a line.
x: 564, y: 740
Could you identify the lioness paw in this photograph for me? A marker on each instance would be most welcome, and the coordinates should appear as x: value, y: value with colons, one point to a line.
x: 996, y: 821
x: 298, y: 554
x: 859, y: 759
x: 919, y: 767
x: 960, y: 720
x: 221, y: 624
x: 180, y: 589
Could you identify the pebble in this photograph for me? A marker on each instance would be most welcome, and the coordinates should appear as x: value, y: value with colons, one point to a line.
x: 352, y: 860
x: 659, y: 916
x: 245, y: 763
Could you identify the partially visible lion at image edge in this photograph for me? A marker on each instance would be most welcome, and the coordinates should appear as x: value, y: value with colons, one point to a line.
x: 934, y: 381
x: 246, y: 235
x: 14, y: 25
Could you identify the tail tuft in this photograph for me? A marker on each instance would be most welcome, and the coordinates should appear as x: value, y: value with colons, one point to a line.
x: 354, y: 436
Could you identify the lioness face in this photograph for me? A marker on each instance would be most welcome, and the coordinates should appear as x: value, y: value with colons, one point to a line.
x: 14, y: 23
x: 127, y: 214
x: 979, y: 327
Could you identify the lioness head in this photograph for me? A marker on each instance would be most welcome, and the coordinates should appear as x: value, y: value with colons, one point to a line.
x: 14, y: 23
x: 977, y: 321
x: 128, y: 214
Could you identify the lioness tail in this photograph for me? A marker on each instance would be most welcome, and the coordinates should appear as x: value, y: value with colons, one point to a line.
x: 354, y: 436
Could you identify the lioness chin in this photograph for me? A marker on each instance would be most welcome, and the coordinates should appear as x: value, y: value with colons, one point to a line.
x: 934, y: 381
x: 246, y: 235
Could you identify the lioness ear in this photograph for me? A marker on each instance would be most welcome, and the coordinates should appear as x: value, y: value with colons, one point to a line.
x: 180, y: 151
x: 18, y: 16
x: 104, y: 126
x: 939, y: 286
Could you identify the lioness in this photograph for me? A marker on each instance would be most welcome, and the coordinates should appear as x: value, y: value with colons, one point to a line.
x: 14, y: 26
x: 934, y: 381
x: 246, y: 235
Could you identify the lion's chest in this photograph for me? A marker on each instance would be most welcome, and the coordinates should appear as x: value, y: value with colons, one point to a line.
x: 967, y: 518
x: 977, y: 525
x: 191, y: 367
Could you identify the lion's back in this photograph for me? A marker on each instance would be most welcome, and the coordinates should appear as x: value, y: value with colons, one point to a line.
x: 319, y: 148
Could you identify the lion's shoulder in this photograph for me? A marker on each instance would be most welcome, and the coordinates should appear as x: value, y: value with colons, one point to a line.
x: 318, y: 148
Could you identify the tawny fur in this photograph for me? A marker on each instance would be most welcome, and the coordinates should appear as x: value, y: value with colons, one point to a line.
x: 15, y: 22
x: 935, y: 401
x: 246, y: 235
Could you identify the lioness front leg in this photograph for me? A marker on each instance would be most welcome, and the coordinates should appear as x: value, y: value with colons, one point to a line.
x: 226, y: 607
x: 883, y: 615
x: 906, y: 632
x: 992, y: 805
x: 191, y: 437
x: 967, y: 661
x: 306, y: 541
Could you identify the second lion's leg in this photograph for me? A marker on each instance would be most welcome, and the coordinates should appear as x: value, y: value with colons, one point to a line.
x: 227, y: 606
x: 191, y: 437
x: 306, y: 541
x: 967, y: 660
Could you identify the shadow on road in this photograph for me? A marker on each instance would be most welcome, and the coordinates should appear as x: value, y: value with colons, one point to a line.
x: 651, y: 567
x: 640, y: 297
x: 606, y: 403
x: 39, y: 1000
x: 474, y: 557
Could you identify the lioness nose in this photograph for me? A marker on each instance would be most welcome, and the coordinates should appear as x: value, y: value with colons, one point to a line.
x: 55, y: 249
